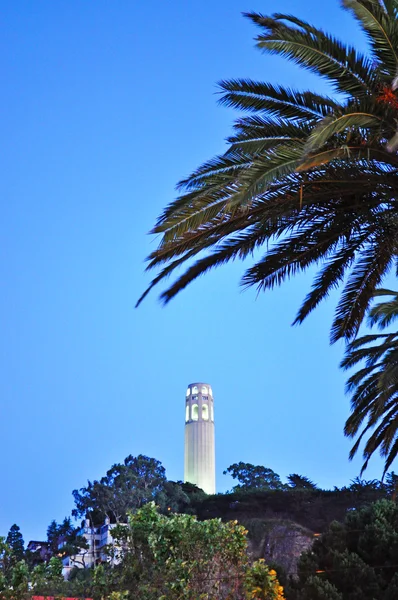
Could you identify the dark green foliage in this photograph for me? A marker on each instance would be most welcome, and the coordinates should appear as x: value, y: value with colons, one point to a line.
x: 15, y: 542
x: 18, y: 580
x: 374, y: 386
x: 354, y: 560
x: 194, y: 493
x: 316, y: 588
x: 65, y: 538
x: 300, y: 482
x: 47, y: 579
x: 172, y: 498
x: 312, y: 509
x: 125, y: 487
x: 53, y: 535
x: 82, y: 583
x: 254, y: 477
x: 391, y: 484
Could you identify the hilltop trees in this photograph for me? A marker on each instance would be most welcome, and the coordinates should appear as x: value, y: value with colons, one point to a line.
x: 300, y: 482
x: 125, y: 487
x: 257, y: 477
x: 254, y: 477
x: 128, y: 486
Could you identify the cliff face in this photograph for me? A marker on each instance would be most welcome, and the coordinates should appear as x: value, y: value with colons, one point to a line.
x: 279, y: 542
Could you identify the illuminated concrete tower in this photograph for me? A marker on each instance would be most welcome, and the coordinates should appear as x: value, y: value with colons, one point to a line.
x: 200, y: 463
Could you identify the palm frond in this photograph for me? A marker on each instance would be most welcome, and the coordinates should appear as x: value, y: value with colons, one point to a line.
x: 391, y: 7
x: 330, y: 277
x: 341, y: 65
x: 336, y: 124
x: 370, y: 269
x: 374, y: 389
x: 275, y: 100
x: 384, y: 313
x: 382, y: 32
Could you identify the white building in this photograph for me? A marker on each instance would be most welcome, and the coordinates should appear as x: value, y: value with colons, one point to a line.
x: 98, y: 540
x: 200, y: 463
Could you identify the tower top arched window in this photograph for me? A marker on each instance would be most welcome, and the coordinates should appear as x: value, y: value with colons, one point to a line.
x: 205, y: 390
x: 188, y: 392
x: 195, y: 412
x: 195, y: 389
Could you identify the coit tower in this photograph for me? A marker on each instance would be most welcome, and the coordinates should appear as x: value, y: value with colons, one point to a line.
x: 200, y: 463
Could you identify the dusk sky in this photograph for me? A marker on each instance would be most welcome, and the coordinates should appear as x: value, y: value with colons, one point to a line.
x: 105, y: 106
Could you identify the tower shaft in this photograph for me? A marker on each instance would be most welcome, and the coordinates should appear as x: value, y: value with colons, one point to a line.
x: 199, y: 465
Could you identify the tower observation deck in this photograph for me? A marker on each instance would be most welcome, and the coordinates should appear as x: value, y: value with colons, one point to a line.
x: 199, y: 467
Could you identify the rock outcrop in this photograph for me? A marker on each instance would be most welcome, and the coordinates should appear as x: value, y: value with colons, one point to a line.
x: 279, y: 542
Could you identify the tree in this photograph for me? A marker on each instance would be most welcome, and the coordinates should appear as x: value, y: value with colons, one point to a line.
x: 65, y: 538
x: 47, y: 578
x: 180, y: 496
x: 374, y: 386
x: 5, y: 565
x: 310, y: 178
x: 16, y: 543
x: 354, y: 560
x: 14, y: 573
x: 125, y: 487
x: 195, y: 494
x: 299, y: 482
x: 178, y: 557
x: 254, y: 477
x: 359, y: 485
x: 172, y: 498
x: 53, y: 536
x: 19, y: 581
x: 391, y: 484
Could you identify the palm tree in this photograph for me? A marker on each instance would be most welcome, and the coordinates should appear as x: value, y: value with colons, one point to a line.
x: 374, y: 387
x: 312, y: 178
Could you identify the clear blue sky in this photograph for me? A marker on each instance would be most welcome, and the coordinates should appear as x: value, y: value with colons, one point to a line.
x: 105, y: 106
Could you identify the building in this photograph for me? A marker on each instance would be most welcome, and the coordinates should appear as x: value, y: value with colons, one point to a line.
x: 98, y: 539
x: 200, y: 467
